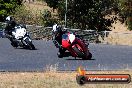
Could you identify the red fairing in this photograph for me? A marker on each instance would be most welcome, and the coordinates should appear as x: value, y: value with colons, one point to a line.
x: 77, y: 43
x: 81, y: 44
x: 65, y: 43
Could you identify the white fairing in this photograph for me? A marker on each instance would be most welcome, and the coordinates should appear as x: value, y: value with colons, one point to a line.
x: 19, y: 32
x: 71, y: 37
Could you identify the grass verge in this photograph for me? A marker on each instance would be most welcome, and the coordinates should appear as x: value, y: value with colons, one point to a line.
x: 53, y: 79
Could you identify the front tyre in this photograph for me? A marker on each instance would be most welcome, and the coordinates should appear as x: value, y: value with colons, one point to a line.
x: 29, y: 44
x: 32, y: 47
x: 78, y: 52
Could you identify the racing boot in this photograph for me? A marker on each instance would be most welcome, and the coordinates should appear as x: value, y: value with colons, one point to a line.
x: 61, y: 52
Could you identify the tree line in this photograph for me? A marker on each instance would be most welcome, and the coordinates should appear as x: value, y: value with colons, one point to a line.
x: 7, y: 7
x: 84, y: 14
x: 90, y: 14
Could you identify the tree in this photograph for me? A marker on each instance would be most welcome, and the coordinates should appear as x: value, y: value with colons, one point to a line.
x: 52, y: 3
x: 85, y: 14
x: 125, y: 7
x: 7, y: 7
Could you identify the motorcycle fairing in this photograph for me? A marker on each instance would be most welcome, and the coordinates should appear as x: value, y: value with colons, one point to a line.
x: 19, y: 32
x: 24, y: 40
x: 71, y: 37
x: 65, y: 41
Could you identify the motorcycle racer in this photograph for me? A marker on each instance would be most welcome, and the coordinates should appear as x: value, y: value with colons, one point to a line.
x: 57, y: 38
x: 10, y: 25
x: 66, y: 40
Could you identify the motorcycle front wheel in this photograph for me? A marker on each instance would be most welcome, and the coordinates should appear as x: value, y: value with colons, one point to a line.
x: 78, y: 52
x: 89, y: 56
x: 29, y: 44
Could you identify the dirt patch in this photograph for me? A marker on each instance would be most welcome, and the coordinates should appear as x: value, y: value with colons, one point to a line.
x: 119, y: 38
x: 38, y: 7
x: 119, y: 35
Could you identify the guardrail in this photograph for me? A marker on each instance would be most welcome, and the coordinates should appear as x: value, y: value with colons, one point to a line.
x: 40, y: 32
x: 91, y: 36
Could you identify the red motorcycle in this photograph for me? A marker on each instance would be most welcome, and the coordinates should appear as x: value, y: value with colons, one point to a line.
x: 76, y: 46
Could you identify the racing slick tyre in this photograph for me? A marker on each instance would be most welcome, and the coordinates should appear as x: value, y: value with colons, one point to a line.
x: 89, y: 56
x: 30, y: 45
x: 78, y: 52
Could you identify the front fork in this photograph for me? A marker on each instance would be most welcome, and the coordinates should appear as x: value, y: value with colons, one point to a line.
x: 26, y: 40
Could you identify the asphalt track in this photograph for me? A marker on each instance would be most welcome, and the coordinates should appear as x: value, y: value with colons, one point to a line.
x: 105, y: 57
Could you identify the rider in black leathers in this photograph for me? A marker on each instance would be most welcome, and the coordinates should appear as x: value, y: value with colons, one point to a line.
x: 57, y: 39
x: 9, y: 27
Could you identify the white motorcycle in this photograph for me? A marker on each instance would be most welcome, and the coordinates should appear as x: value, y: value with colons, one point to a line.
x: 21, y: 38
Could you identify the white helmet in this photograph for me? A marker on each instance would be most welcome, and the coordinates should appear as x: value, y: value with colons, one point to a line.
x: 9, y: 18
x: 54, y: 28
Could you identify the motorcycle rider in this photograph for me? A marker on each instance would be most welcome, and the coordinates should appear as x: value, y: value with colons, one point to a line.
x: 57, y: 38
x: 9, y: 27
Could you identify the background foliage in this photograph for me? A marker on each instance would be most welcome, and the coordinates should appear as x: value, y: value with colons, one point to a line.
x: 84, y: 14
x: 125, y: 7
x: 87, y: 14
x: 7, y: 7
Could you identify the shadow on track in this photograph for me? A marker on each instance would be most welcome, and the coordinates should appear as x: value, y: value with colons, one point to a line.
x: 68, y: 54
x: 80, y: 59
x: 25, y: 48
